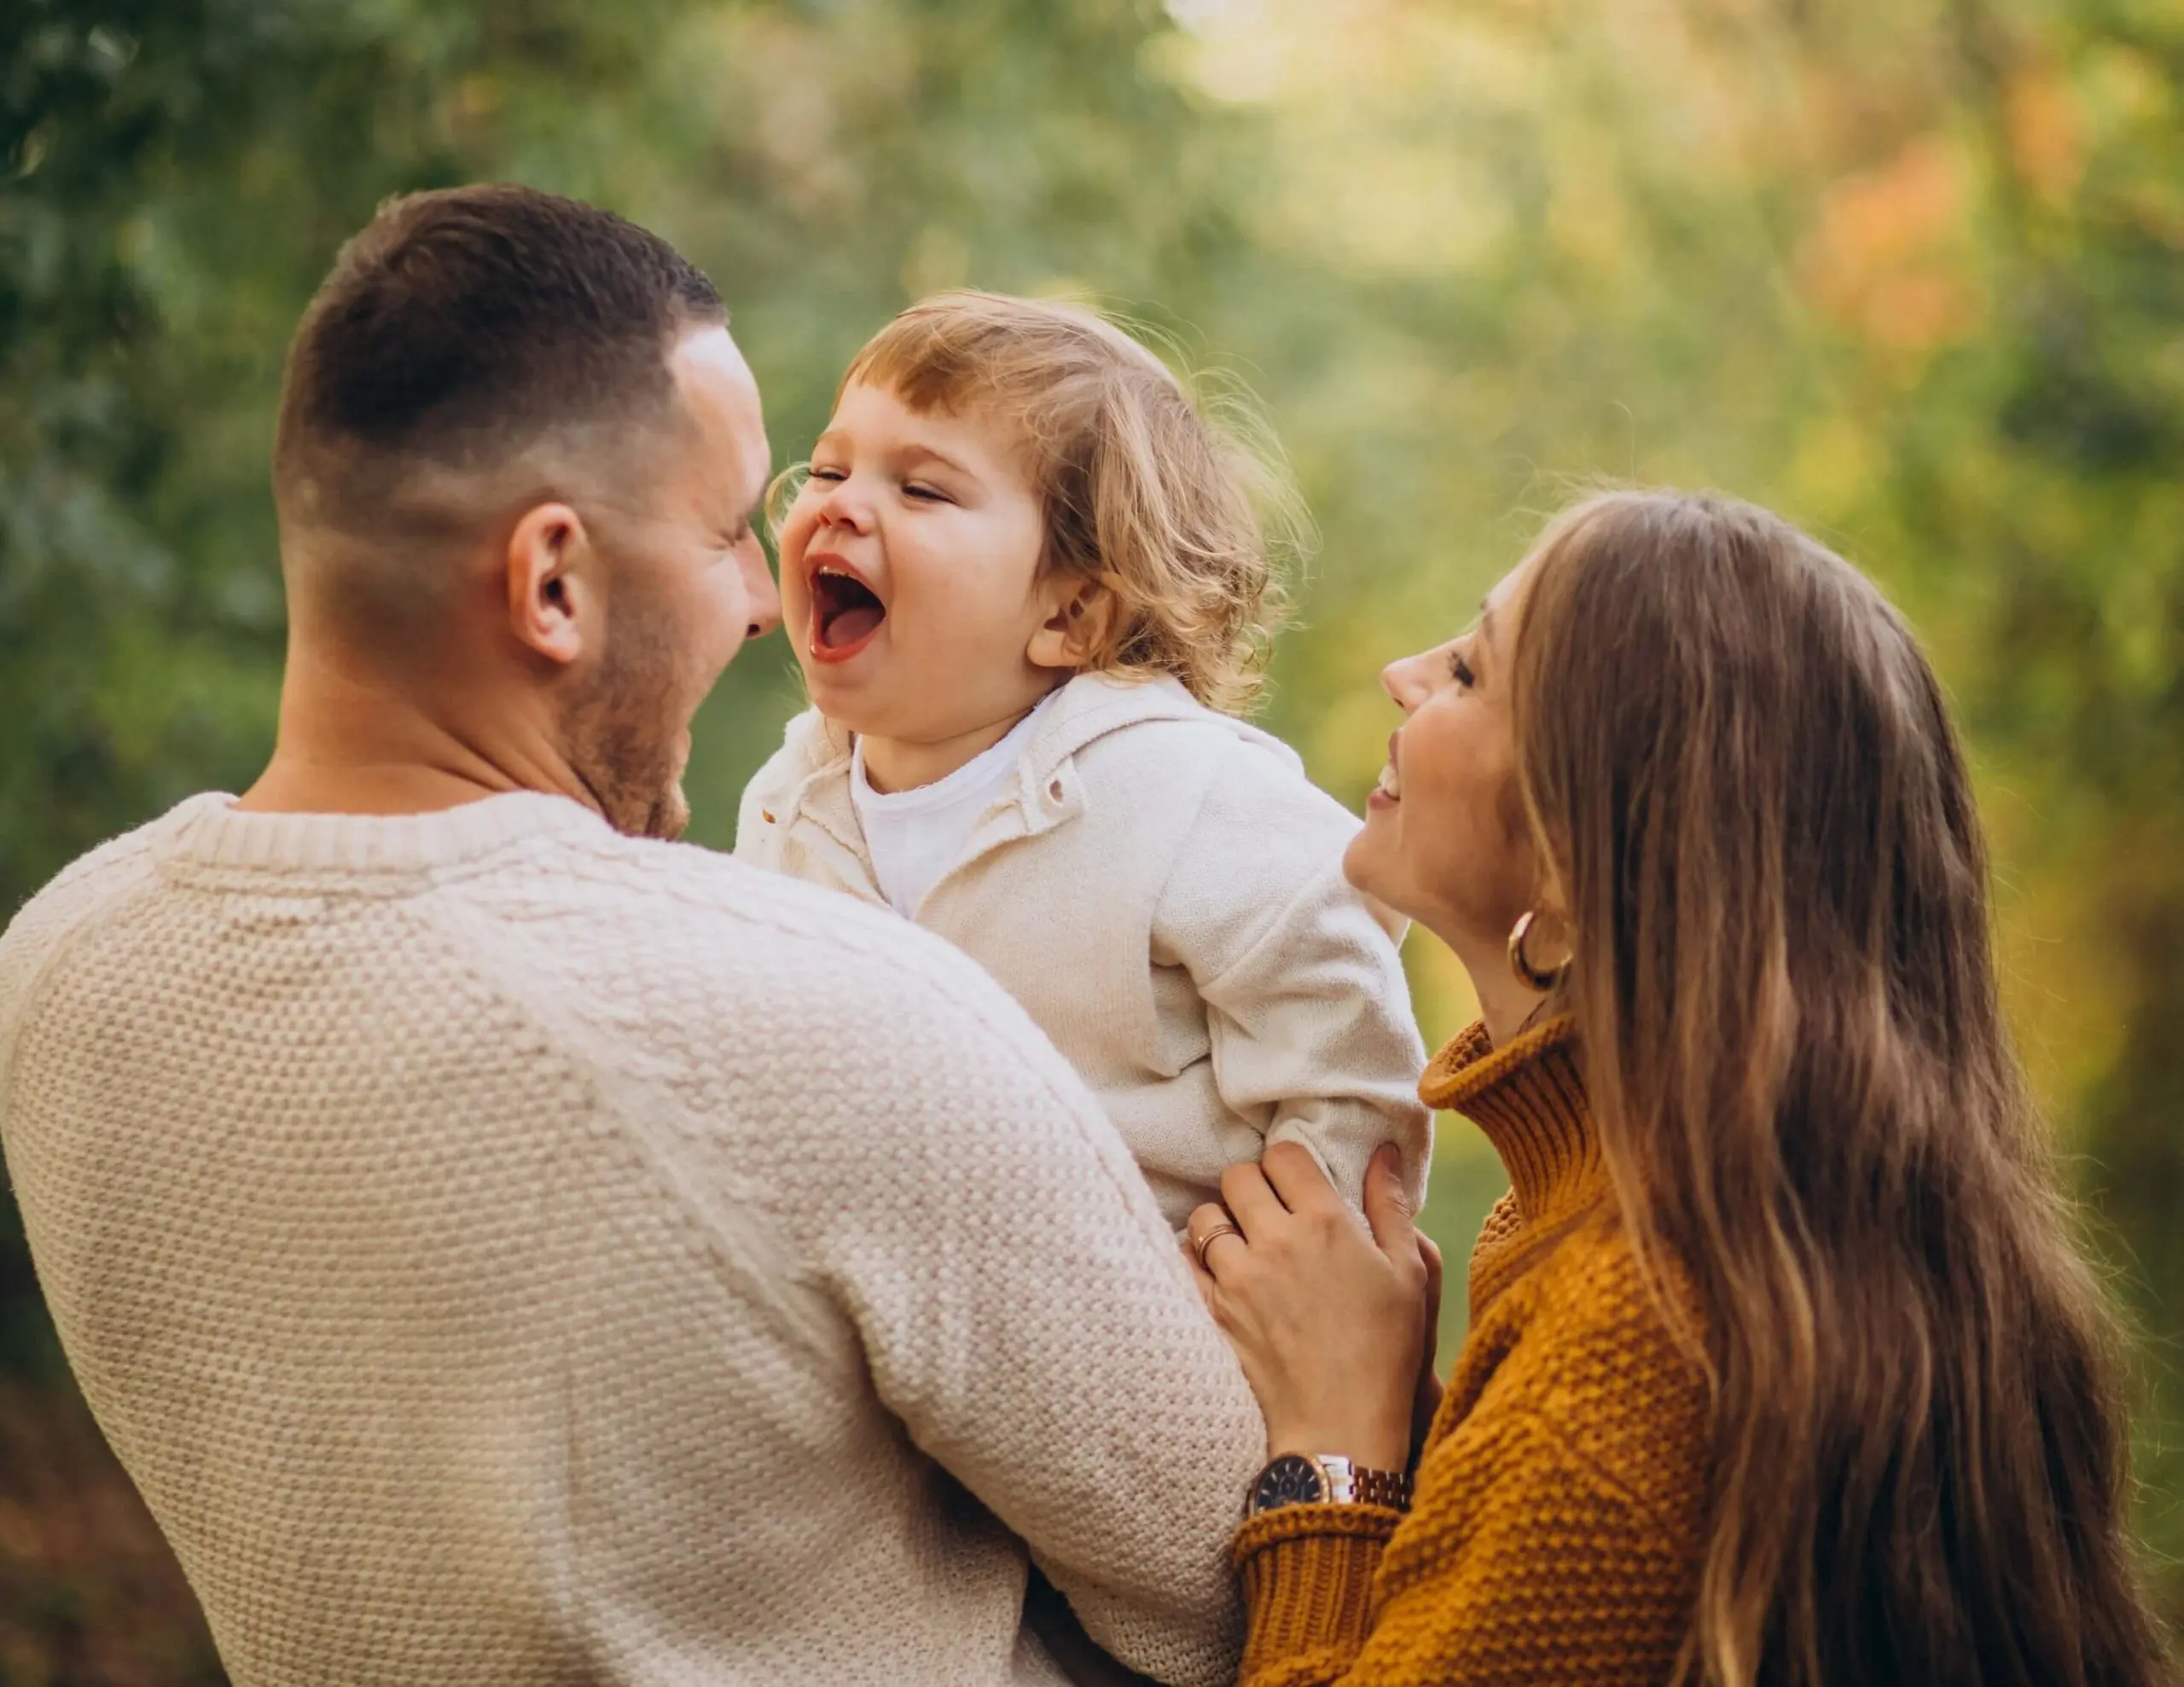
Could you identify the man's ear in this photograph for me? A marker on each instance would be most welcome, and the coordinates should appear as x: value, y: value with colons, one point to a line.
x: 552, y: 606
x: 1079, y: 618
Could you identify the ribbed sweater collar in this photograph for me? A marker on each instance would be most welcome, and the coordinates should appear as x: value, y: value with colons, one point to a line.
x: 209, y: 830
x: 1529, y: 1098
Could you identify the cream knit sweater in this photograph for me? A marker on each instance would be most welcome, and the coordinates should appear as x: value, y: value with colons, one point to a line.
x: 502, y: 1251
x: 1162, y: 889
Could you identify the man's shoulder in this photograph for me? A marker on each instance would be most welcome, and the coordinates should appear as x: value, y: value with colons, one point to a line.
x: 709, y: 941
x: 86, y: 892
x: 632, y: 885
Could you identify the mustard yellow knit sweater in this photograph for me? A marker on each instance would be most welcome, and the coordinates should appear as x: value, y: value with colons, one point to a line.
x: 1560, y: 1502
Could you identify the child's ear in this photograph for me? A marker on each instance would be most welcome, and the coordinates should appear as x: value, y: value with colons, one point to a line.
x: 1078, y: 617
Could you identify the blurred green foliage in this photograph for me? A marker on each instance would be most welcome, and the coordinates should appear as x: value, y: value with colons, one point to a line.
x: 1914, y: 275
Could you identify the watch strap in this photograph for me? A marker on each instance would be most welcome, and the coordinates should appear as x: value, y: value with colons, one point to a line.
x: 1349, y: 1484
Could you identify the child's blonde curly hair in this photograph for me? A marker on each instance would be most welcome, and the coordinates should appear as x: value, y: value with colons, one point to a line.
x: 1180, y: 506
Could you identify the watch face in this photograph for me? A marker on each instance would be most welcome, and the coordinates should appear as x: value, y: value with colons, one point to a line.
x: 1290, y: 1479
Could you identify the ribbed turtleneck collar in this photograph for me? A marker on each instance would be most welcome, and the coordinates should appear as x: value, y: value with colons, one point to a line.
x: 1529, y: 1098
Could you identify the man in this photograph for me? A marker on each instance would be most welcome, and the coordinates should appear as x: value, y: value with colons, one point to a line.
x: 503, y: 1248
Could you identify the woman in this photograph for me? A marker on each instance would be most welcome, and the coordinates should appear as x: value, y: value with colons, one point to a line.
x: 1783, y: 1365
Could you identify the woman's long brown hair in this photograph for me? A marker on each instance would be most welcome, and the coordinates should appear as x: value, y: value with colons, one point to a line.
x: 1745, y: 776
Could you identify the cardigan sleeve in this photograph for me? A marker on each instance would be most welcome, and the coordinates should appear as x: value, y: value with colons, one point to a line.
x: 1308, y: 1012
x: 1307, y: 1574
x: 1559, y: 1523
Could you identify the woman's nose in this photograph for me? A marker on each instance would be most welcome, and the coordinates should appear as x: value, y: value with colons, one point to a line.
x: 1405, y: 680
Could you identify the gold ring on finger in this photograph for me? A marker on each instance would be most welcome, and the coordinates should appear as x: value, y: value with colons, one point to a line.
x: 1224, y: 1228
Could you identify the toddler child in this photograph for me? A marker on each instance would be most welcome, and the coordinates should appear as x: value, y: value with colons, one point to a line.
x: 1028, y: 583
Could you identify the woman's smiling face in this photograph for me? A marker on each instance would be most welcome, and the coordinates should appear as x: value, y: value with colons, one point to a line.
x: 909, y: 562
x: 1445, y: 839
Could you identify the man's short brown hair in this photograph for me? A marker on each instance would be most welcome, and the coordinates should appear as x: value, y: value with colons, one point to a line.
x: 461, y: 327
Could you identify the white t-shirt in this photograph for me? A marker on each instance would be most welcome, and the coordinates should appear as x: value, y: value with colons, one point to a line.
x: 914, y: 835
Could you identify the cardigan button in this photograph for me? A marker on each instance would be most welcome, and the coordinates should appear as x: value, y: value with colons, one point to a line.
x: 766, y: 817
x: 1054, y: 790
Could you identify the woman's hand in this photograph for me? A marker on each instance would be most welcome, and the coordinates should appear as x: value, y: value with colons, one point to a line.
x: 1331, y: 1324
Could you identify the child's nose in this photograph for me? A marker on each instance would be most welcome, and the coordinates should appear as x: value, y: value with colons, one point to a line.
x: 845, y: 505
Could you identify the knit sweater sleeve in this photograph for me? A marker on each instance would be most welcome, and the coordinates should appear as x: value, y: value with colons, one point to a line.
x: 1489, y: 1599
x: 1553, y: 1538
x: 1114, y: 1434
x: 1307, y: 1008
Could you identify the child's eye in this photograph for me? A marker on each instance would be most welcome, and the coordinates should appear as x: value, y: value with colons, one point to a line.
x: 919, y: 490
x: 818, y: 473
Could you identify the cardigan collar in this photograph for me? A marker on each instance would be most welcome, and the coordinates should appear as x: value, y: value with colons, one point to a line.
x: 1529, y: 1098
x: 1046, y: 791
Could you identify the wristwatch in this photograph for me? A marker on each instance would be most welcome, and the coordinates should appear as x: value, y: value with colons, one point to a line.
x: 1295, y: 1479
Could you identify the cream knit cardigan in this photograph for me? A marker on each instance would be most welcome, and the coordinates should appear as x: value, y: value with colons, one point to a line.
x: 1162, y: 889
x: 506, y: 1252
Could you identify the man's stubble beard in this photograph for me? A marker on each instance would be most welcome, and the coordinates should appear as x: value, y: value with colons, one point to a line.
x: 621, y: 744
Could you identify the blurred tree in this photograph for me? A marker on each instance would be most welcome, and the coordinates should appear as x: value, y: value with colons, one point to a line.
x: 2041, y: 469
x: 1915, y: 277
x: 179, y: 174
x: 1911, y: 274
x: 182, y: 174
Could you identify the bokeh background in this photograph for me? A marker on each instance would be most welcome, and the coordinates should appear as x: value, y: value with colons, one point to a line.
x: 1913, y: 273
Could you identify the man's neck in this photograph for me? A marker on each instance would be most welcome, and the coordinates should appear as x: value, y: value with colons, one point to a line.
x: 294, y: 783
x: 352, y: 743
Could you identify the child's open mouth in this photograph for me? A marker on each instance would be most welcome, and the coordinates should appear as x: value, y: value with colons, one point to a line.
x: 845, y: 612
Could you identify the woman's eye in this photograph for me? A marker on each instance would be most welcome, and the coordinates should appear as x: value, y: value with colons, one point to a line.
x: 1459, y: 669
x: 828, y: 474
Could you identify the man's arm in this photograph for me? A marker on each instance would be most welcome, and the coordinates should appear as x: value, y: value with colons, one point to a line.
x: 1027, y: 1315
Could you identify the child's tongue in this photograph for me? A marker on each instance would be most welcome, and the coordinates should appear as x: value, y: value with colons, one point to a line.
x: 847, y: 610
x: 847, y: 626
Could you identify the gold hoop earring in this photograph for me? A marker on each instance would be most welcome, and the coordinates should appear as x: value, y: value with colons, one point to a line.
x: 1530, y: 977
